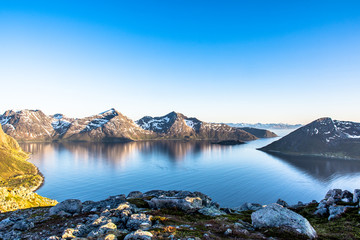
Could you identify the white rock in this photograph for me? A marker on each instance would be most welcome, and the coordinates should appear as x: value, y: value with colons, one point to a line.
x: 275, y: 215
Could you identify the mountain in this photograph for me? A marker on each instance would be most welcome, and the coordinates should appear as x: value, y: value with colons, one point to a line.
x: 178, y: 126
x: 34, y: 125
x: 265, y: 125
x: 323, y: 137
x: 112, y: 126
x: 259, y: 133
x: 107, y: 126
x: 27, y: 125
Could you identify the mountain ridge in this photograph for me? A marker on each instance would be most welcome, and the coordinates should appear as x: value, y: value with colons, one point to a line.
x: 113, y: 126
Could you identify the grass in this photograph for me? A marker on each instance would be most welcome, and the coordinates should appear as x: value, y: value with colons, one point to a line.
x: 346, y: 227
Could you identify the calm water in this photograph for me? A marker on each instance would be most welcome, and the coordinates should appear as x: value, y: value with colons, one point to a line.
x: 231, y: 175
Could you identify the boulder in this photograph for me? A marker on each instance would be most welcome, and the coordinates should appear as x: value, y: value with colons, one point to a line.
x: 335, y: 193
x: 211, y: 211
x: 346, y: 196
x: 139, y: 235
x: 205, y: 200
x: 5, y: 223
x: 23, y: 225
x: 282, y: 203
x: 70, y: 206
x: 275, y: 215
x: 337, y: 211
x: 135, y: 194
x: 184, y: 204
x: 136, y: 220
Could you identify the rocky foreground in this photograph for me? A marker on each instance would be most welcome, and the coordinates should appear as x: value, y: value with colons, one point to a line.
x: 186, y: 215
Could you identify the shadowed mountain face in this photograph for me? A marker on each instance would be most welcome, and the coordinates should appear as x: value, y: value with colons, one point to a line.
x: 323, y: 137
x: 112, y: 126
x: 177, y: 126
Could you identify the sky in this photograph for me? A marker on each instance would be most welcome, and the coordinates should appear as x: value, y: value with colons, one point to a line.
x: 220, y: 61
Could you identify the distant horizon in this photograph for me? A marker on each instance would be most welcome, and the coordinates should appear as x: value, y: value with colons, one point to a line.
x: 234, y: 61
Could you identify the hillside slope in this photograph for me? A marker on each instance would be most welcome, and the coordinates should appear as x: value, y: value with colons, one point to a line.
x: 18, y: 178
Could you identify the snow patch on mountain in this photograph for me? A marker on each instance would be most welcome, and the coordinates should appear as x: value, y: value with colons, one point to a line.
x: 154, y: 123
x: 96, y: 123
x: 58, y: 116
x: 189, y: 123
x: 4, y: 120
x: 61, y: 126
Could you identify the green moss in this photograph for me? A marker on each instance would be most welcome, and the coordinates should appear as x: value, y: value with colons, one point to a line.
x: 139, y: 202
x: 244, y: 216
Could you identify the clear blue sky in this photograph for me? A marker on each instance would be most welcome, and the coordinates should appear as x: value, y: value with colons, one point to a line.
x: 221, y: 61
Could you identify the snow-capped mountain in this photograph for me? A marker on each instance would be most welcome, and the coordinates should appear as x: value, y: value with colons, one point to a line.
x: 322, y: 137
x: 34, y: 125
x: 178, y: 126
x: 110, y: 125
x: 27, y: 125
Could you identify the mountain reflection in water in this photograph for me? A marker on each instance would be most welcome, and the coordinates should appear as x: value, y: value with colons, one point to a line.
x: 231, y: 175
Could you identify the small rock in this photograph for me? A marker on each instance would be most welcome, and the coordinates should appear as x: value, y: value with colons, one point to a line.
x: 136, y: 220
x: 321, y: 211
x: 282, y: 203
x: 249, y: 206
x: 139, y: 235
x: 68, y: 233
x: 103, y: 230
x: 228, y: 231
x: 110, y: 237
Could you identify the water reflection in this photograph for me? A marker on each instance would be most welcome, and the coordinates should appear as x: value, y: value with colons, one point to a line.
x: 230, y: 174
x: 322, y: 169
x: 173, y: 150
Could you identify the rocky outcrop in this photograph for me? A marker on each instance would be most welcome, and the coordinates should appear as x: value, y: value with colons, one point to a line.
x: 132, y: 217
x: 329, y: 205
x: 323, y: 137
x: 275, y: 215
